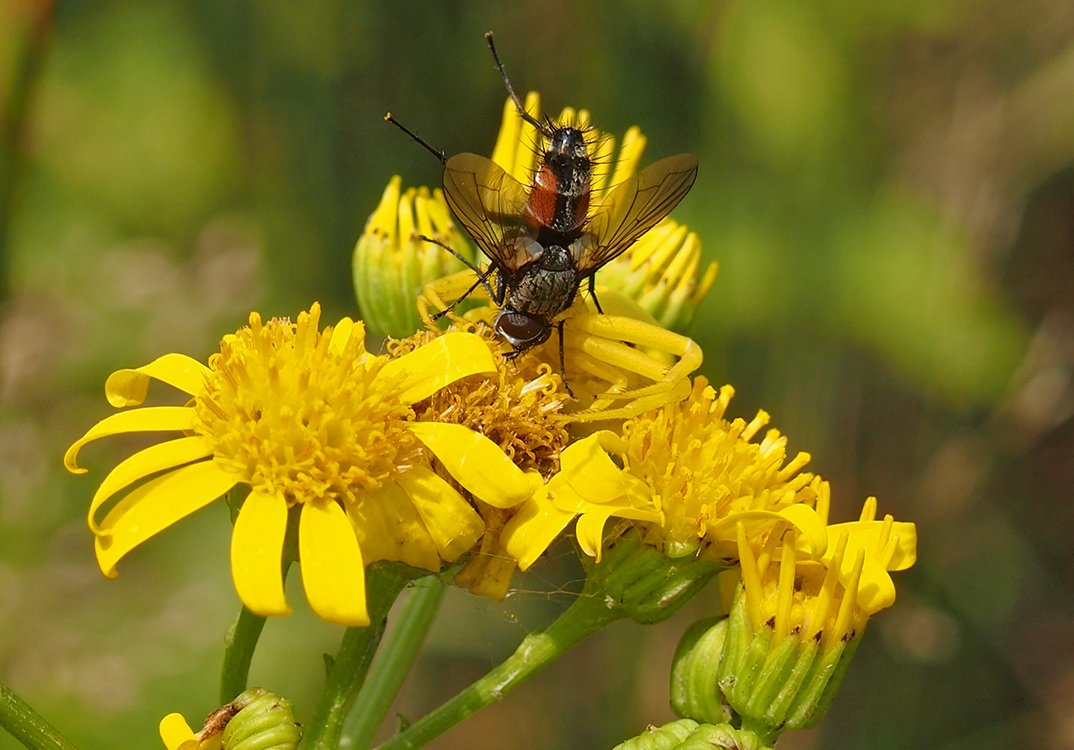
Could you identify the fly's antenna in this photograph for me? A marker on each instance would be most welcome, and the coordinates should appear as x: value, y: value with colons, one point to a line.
x: 542, y: 128
x: 417, y: 138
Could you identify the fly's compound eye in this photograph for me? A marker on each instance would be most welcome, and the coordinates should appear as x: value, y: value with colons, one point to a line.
x: 521, y: 331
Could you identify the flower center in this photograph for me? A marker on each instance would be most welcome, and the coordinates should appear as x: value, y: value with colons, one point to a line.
x: 516, y: 407
x: 299, y: 411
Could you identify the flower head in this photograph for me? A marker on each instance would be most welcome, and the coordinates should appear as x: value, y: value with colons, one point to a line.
x: 322, y: 434
x: 800, y: 611
x: 391, y: 263
x: 686, y: 476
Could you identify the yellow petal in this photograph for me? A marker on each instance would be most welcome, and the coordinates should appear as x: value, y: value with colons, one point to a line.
x: 591, y: 472
x: 477, y: 463
x: 589, y: 531
x: 453, y: 525
x: 813, y: 536
x: 442, y: 361
x: 149, y: 419
x: 129, y: 387
x: 154, y: 506
x: 177, y: 734
x: 144, y: 463
x: 333, y: 573
x: 256, y: 553
x: 532, y: 529
x: 389, y: 528
x: 342, y: 333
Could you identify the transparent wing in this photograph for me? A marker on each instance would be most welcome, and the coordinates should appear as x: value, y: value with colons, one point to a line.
x: 489, y: 203
x: 635, y: 207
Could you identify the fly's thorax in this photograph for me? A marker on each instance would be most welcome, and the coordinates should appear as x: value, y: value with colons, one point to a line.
x: 559, y: 198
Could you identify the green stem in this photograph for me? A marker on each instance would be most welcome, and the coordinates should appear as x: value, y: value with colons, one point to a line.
x: 393, y: 663
x: 26, y: 725
x: 346, y: 672
x: 239, y: 645
x: 587, y: 615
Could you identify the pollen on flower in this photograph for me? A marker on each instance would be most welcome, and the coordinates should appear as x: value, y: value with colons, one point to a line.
x: 706, y: 470
x: 298, y: 411
x: 516, y: 407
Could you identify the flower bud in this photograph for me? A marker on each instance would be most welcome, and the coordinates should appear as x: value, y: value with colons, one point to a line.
x: 255, y: 720
x: 695, y: 693
x: 643, y: 583
x: 687, y: 734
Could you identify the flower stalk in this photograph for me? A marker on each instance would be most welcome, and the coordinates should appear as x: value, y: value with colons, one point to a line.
x: 27, y: 726
x: 347, y: 671
x: 239, y: 645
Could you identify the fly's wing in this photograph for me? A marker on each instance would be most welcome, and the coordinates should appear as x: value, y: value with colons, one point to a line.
x: 489, y: 203
x: 635, y: 207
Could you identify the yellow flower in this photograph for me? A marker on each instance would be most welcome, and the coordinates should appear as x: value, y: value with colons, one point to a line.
x: 700, y: 473
x: 800, y: 611
x: 391, y: 265
x: 322, y: 433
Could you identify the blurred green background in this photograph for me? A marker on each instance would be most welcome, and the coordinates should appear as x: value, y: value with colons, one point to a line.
x: 889, y: 190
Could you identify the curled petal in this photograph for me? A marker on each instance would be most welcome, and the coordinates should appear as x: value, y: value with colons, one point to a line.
x: 145, y: 463
x: 453, y: 525
x: 532, y: 529
x: 389, y: 527
x: 149, y: 419
x: 343, y: 332
x: 129, y: 387
x: 177, y: 734
x: 333, y: 572
x: 154, y: 506
x: 477, y: 463
x: 256, y: 552
x: 442, y: 361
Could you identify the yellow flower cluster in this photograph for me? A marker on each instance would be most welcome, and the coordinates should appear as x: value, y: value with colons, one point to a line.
x: 447, y: 448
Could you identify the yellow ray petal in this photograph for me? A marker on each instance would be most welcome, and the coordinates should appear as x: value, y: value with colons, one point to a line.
x: 342, y: 333
x: 453, y: 525
x: 256, y: 552
x: 442, y: 361
x: 590, y: 471
x: 477, y: 463
x: 149, y: 419
x: 145, y: 463
x: 154, y: 506
x: 129, y: 387
x: 390, y: 528
x: 589, y: 531
x: 333, y: 573
x: 177, y: 734
x: 532, y: 529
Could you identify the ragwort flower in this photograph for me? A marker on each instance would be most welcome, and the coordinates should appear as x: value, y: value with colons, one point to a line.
x: 799, y: 614
x: 322, y: 433
x: 686, y: 475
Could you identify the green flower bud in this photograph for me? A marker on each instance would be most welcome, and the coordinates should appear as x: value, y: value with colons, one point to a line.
x: 686, y: 734
x: 644, y: 584
x: 391, y: 264
x: 264, y: 721
x: 695, y: 693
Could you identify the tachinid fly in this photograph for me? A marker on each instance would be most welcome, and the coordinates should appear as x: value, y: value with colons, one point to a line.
x: 544, y: 240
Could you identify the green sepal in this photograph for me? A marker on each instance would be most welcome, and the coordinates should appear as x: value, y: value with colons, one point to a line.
x: 643, y: 583
x: 264, y: 721
x: 821, y: 684
x: 667, y: 737
x: 695, y: 692
x: 686, y: 734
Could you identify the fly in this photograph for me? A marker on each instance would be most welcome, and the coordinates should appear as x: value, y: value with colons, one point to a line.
x: 545, y: 239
